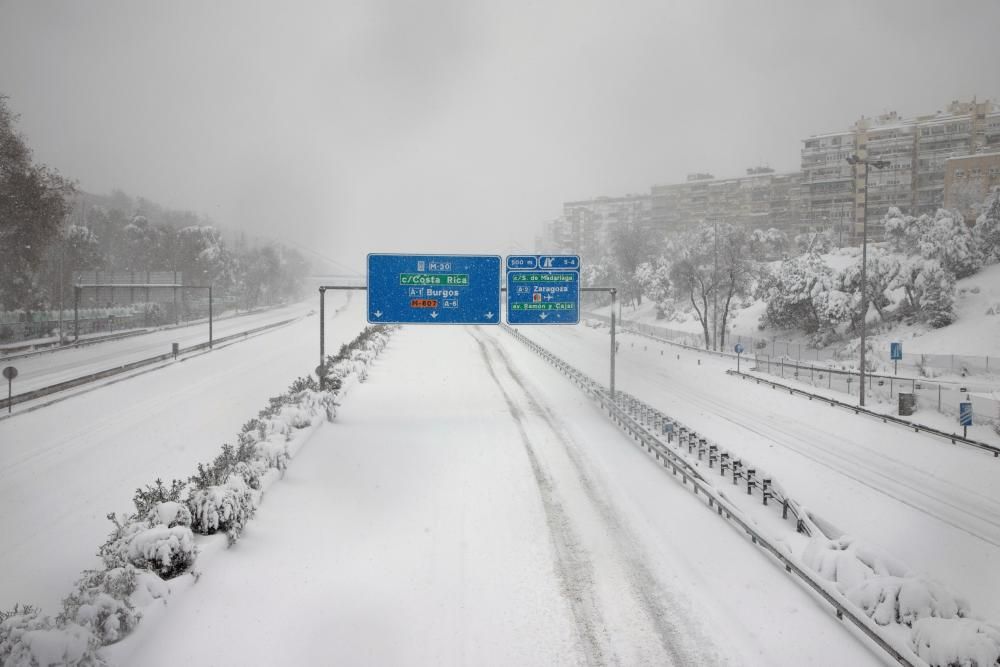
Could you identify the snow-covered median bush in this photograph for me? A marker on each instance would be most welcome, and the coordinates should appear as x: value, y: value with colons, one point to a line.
x: 956, y: 643
x: 889, y: 593
x: 226, y: 507
x: 905, y: 600
x: 27, y: 638
x: 102, y: 603
x: 167, y: 549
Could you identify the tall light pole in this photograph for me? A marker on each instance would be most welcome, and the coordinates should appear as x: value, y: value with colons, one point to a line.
x: 854, y: 160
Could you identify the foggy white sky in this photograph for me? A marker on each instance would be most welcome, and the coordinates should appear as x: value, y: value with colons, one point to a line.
x: 458, y: 126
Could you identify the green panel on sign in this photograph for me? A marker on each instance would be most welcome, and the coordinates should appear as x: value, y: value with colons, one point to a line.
x: 543, y: 278
x: 433, y: 279
x: 542, y: 306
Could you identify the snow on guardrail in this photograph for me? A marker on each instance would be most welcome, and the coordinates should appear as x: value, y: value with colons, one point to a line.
x: 911, y: 618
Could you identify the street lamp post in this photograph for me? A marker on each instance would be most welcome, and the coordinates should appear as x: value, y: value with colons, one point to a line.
x: 854, y: 160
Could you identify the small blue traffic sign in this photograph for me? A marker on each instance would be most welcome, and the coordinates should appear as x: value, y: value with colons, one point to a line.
x: 543, y: 289
x: 965, y: 413
x: 433, y: 289
x: 739, y: 348
x: 895, y: 351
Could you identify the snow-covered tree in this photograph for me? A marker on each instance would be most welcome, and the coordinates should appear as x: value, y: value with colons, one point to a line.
x: 33, y: 202
x: 987, y: 229
x: 767, y: 245
x: 814, y: 242
x: 735, y: 272
x: 795, y: 294
x: 693, y: 273
x: 937, y: 303
x: 948, y: 239
x: 631, y: 245
x: 928, y: 291
x: 882, y: 271
x: 654, y: 278
x: 903, y: 232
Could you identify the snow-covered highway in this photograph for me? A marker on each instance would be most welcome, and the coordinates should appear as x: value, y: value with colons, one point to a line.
x: 471, y: 506
x: 64, y: 467
x: 50, y: 367
x: 931, y: 504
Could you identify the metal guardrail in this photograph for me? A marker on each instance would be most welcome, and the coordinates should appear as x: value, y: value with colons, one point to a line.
x: 630, y: 329
x: 645, y: 423
x: 131, y: 366
x: 954, y: 438
x: 46, y: 348
x: 856, y: 409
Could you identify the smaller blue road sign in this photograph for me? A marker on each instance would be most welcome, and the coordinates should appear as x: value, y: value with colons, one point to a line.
x: 433, y: 289
x: 895, y: 351
x: 739, y: 348
x: 965, y: 413
x: 543, y: 289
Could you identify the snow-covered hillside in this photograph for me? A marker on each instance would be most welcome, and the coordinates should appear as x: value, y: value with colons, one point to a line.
x: 977, y: 324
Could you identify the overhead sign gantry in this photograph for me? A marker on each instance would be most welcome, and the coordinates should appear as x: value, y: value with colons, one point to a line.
x: 465, y: 289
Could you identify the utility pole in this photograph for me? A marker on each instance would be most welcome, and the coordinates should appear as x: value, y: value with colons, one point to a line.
x: 854, y: 160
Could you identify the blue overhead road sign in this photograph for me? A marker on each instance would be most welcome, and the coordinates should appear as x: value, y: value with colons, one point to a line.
x: 543, y: 289
x: 895, y: 351
x: 433, y: 289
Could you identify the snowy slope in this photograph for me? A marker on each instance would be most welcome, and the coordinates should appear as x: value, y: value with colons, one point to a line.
x: 470, y: 506
x: 64, y: 467
x: 976, y: 330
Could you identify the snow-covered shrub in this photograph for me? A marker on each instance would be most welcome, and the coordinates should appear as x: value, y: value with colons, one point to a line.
x: 848, y: 562
x: 274, y: 453
x: 169, y: 514
x: 958, y: 642
x: 28, y: 639
x: 890, y: 599
x: 222, y: 466
x: 227, y: 507
x: 101, y: 603
x: 167, y: 551
x: 146, y: 499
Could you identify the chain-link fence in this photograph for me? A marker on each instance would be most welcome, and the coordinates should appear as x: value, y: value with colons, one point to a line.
x: 881, y: 387
x: 923, y: 365
x: 930, y: 394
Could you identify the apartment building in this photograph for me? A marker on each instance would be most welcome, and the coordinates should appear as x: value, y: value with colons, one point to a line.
x: 917, y: 150
x: 947, y: 158
x: 585, y: 227
x: 760, y: 199
x: 968, y: 180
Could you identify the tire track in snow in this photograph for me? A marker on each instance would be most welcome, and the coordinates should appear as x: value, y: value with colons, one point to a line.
x: 916, y: 497
x: 681, y: 641
x: 904, y: 483
x: 574, y: 569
